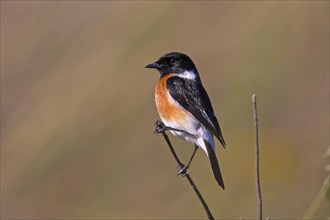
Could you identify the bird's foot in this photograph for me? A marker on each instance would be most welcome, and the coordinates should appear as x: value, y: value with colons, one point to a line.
x: 182, y: 170
x: 160, y: 127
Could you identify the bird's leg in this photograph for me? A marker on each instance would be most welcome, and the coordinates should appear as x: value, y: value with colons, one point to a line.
x: 161, y: 128
x: 183, y: 169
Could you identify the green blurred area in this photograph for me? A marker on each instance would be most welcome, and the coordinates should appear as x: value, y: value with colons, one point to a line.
x: 78, y: 112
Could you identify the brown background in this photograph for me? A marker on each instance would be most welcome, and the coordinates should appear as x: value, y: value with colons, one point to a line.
x: 77, y: 107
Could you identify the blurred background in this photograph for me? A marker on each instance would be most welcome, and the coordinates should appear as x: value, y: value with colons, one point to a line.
x: 78, y: 112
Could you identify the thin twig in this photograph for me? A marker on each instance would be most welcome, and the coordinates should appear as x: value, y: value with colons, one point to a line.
x: 167, y: 139
x: 206, y: 208
x: 257, y: 178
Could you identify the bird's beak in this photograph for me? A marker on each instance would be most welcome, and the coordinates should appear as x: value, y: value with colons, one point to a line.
x: 153, y: 66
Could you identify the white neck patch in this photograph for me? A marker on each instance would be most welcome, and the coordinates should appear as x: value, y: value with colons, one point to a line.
x: 188, y: 75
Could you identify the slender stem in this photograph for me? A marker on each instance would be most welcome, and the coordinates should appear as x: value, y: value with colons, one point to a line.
x: 206, y: 208
x: 316, y: 201
x: 257, y: 177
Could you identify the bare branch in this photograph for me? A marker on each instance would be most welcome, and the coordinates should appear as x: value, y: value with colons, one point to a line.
x: 257, y: 177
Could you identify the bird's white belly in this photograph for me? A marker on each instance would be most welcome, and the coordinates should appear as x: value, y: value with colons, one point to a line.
x: 197, y: 133
x: 190, y: 126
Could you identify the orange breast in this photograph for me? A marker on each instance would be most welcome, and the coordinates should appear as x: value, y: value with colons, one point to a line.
x: 167, y: 109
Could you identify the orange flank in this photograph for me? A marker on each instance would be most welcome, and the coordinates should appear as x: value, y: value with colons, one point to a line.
x: 166, y: 108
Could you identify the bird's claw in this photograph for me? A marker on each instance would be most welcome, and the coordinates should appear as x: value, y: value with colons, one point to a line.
x: 182, y: 170
x: 160, y: 127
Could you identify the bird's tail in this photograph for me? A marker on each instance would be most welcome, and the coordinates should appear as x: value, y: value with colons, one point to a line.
x: 214, y: 164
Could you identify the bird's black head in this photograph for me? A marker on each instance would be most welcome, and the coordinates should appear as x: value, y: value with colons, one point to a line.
x: 173, y: 62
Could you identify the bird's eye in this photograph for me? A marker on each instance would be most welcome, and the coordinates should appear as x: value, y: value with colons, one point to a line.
x: 172, y: 61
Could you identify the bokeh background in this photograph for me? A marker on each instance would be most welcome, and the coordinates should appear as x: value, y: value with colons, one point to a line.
x: 77, y: 107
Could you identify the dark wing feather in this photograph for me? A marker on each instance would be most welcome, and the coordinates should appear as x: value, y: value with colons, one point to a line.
x: 192, y: 96
x: 210, y: 113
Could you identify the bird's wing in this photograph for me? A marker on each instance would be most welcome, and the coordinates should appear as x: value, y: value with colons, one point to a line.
x: 192, y: 96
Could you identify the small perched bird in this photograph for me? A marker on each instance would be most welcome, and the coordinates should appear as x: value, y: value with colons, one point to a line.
x: 185, y: 108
